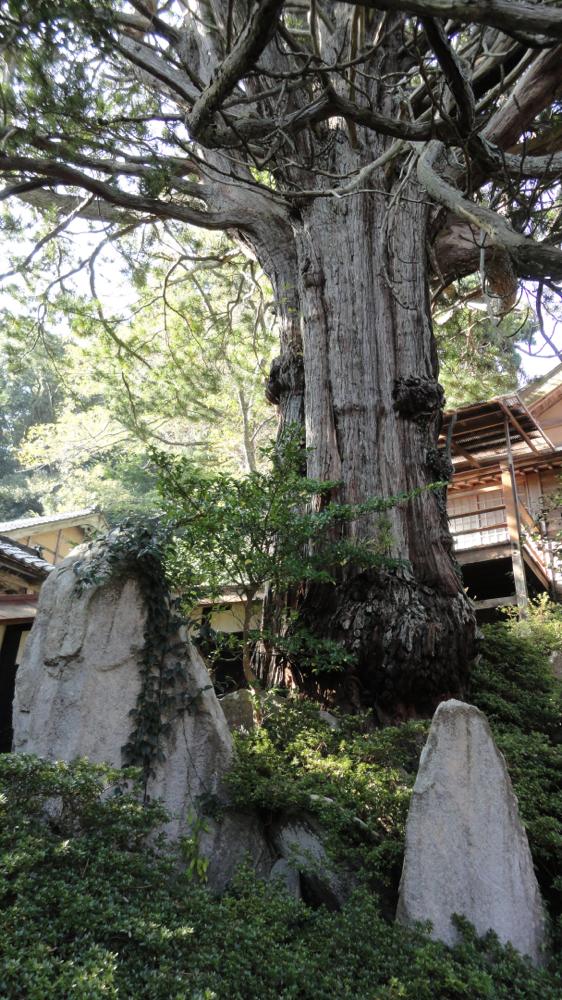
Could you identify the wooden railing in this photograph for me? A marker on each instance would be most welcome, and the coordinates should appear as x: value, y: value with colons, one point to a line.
x: 534, y: 542
x: 478, y: 528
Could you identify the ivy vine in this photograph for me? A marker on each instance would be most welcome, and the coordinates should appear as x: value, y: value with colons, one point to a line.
x: 137, y: 549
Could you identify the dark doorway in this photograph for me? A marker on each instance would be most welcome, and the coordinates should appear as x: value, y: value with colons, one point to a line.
x: 9, y: 663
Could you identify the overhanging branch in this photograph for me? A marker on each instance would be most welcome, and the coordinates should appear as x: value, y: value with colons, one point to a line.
x: 532, y: 260
x: 453, y: 71
x: 538, y: 24
x: 59, y: 173
x: 251, y: 43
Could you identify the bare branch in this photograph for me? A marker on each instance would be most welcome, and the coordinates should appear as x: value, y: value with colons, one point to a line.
x: 146, y: 59
x: 68, y: 176
x: 254, y: 38
x: 454, y: 73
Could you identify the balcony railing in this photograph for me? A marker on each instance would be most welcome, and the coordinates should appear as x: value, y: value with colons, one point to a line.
x: 481, y: 531
x: 539, y: 543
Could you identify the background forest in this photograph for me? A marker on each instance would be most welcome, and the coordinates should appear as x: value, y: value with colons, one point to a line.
x: 177, y: 357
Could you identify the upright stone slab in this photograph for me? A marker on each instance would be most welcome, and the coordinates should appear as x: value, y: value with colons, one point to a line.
x: 466, y: 850
x: 76, y: 686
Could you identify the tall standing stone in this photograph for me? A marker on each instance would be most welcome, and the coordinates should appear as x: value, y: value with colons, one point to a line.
x: 466, y: 849
x: 77, y: 684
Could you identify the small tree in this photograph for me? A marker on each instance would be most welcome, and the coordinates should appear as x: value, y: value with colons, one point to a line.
x: 274, y: 528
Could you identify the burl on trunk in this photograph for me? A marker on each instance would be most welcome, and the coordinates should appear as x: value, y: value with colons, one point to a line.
x: 371, y: 405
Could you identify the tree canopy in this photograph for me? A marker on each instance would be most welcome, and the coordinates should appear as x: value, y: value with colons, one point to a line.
x: 376, y: 160
x: 148, y: 109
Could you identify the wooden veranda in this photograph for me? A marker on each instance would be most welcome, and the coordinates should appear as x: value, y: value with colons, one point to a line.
x: 506, y: 467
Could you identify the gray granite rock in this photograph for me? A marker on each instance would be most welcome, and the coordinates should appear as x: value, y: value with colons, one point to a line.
x: 466, y: 849
x: 236, y: 838
x: 286, y: 873
x: 329, y: 719
x: 238, y: 709
x: 556, y: 663
x: 76, y: 686
x: 303, y: 849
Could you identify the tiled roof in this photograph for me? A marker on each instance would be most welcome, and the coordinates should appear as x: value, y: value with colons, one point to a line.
x: 35, y: 522
x: 24, y: 556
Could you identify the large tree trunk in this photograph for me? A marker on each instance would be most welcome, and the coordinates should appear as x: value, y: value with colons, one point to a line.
x: 372, y: 407
x: 358, y: 364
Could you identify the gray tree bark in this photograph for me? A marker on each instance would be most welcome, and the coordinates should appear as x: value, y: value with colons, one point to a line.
x: 356, y: 277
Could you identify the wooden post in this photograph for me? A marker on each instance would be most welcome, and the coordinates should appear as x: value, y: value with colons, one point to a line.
x: 509, y: 487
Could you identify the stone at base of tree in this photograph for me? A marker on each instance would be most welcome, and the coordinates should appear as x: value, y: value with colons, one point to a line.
x: 233, y: 840
x: 286, y: 874
x: 77, y: 684
x: 303, y: 849
x: 556, y: 663
x: 238, y: 709
x: 466, y: 849
x: 329, y: 719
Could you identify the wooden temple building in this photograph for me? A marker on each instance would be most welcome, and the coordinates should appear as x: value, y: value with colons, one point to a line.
x: 503, y: 505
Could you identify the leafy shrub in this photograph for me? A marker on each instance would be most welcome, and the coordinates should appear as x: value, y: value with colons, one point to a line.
x: 92, y: 908
x: 356, y: 779
x: 513, y: 682
x: 89, y: 909
x: 514, y: 685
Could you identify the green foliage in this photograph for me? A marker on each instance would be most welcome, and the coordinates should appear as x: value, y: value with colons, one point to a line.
x: 542, y: 624
x: 513, y: 683
x: 196, y: 865
x: 244, y: 532
x: 178, y: 360
x: 91, y: 908
x: 274, y: 527
x: 477, y: 350
x: 59, y: 447
x: 355, y: 779
x: 30, y: 395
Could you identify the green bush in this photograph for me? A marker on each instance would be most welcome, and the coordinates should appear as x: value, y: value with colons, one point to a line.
x: 356, y: 780
x: 90, y: 909
x: 514, y: 685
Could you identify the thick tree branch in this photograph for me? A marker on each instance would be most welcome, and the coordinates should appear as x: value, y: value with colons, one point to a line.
x: 45, y: 199
x: 532, y: 260
x: 536, y: 90
x: 398, y: 128
x: 59, y: 173
x: 121, y: 164
x: 250, y: 45
x: 503, y: 164
x: 454, y: 73
x: 539, y: 24
x: 144, y: 57
x: 20, y: 188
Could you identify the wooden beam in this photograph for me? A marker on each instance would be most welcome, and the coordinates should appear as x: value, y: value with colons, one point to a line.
x: 465, y: 454
x: 495, y: 602
x: 480, y: 529
x: 482, y: 553
x: 535, y: 566
x: 521, y: 462
x: 509, y: 487
x: 518, y: 428
x: 476, y: 511
x: 537, y: 424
